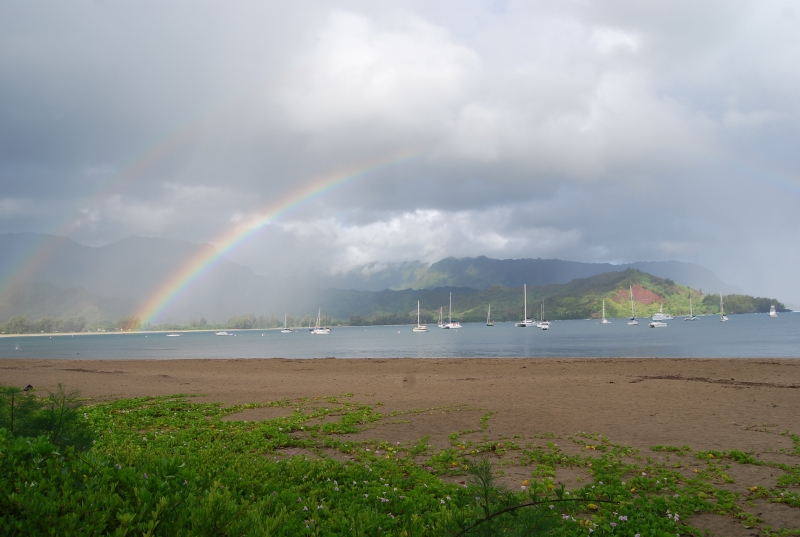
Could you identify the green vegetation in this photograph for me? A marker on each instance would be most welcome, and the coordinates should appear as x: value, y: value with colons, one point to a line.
x: 54, y: 417
x: 581, y: 298
x: 21, y: 325
x: 742, y: 303
x: 169, y: 466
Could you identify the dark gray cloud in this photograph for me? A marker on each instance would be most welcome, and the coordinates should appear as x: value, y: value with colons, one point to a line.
x: 609, y: 131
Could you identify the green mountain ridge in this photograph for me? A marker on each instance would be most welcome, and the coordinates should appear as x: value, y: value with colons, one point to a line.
x: 581, y: 298
x: 483, y: 272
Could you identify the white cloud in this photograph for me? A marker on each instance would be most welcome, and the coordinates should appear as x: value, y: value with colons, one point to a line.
x: 15, y: 207
x: 362, y: 75
x: 429, y: 235
x: 752, y: 119
x: 609, y: 40
x: 591, y: 131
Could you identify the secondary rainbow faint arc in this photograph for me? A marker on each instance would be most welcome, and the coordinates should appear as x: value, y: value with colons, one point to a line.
x: 178, y: 281
x: 38, y: 253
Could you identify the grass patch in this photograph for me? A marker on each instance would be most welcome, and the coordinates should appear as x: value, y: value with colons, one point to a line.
x: 173, y: 466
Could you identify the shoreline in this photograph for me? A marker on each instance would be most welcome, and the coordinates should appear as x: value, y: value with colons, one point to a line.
x: 298, y: 328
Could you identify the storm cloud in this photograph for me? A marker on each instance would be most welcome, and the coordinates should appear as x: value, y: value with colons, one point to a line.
x: 608, y: 131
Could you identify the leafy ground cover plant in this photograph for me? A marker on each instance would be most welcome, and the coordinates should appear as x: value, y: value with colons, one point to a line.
x: 172, y: 466
x: 55, y: 415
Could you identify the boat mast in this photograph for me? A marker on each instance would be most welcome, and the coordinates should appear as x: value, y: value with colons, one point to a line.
x: 633, y: 312
x: 525, y: 308
x: 450, y: 310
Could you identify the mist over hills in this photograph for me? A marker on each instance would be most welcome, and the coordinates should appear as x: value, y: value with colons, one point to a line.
x: 483, y: 272
x: 132, y: 270
x: 113, y: 280
x: 36, y: 300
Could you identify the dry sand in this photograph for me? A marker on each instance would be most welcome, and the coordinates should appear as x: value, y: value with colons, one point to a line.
x: 640, y: 402
x: 706, y: 404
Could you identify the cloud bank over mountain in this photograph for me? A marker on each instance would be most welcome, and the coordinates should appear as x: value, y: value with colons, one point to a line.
x: 597, y: 132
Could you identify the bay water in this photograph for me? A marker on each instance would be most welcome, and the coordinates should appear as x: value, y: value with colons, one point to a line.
x: 742, y: 336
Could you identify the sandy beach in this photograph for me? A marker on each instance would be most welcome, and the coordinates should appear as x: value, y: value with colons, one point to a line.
x: 640, y: 402
x: 703, y: 403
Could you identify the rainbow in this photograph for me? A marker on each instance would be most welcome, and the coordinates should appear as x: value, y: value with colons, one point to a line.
x: 40, y: 252
x: 182, y: 278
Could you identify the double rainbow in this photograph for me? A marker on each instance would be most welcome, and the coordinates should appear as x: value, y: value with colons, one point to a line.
x: 182, y: 278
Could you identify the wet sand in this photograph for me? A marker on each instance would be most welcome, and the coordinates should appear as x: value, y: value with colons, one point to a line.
x: 703, y: 403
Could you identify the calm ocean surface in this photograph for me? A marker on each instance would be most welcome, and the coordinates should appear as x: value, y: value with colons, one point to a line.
x: 742, y: 336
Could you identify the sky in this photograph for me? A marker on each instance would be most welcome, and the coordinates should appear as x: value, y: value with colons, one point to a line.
x: 607, y: 131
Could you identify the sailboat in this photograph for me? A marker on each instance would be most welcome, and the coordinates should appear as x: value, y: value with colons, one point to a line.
x: 526, y: 322
x: 286, y: 329
x: 489, y: 321
x: 773, y: 312
x: 605, y: 321
x: 319, y: 330
x: 661, y: 316
x: 722, y: 316
x: 544, y: 325
x: 692, y: 316
x: 633, y: 320
x: 419, y: 327
x: 450, y: 323
x: 441, y: 319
